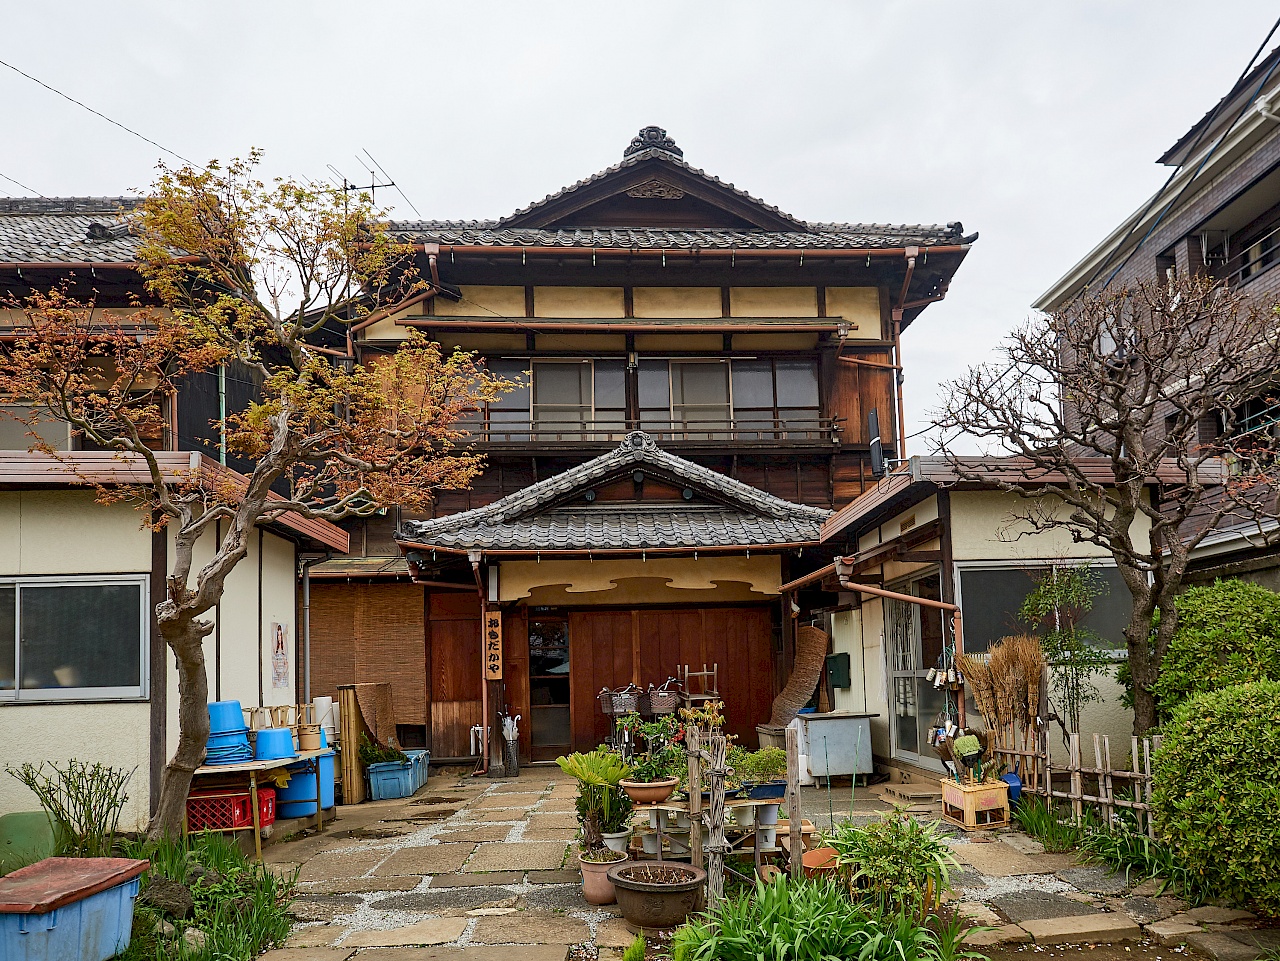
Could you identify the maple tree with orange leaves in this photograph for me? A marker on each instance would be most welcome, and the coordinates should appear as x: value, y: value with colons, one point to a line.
x: 262, y: 275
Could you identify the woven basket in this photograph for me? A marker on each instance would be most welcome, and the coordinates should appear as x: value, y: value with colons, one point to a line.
x: 606, y: 702
x: 624, y: 702
x: 663, y: 702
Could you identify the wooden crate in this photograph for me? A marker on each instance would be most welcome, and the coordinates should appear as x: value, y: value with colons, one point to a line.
x: 976, y: 807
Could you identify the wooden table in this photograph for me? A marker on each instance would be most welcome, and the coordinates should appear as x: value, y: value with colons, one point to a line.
x: 253, y: 769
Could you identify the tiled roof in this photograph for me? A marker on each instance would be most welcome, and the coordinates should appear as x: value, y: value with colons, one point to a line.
x: 58, y: 230
x: 529, y: 519
x: 652, y: 153
x: 491, y: 233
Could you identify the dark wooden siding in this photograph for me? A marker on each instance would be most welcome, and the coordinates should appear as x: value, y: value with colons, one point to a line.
x: 455, y: 671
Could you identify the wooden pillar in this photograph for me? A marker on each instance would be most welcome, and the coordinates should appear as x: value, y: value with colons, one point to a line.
x: 716, y: 849
x: 794, y: 814
x: 693, y: 744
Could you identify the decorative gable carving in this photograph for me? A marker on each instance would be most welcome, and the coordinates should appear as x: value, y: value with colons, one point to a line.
x: 656, y: 190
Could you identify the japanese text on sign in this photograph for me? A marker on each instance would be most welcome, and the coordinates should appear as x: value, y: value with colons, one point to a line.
x: 493, y: 646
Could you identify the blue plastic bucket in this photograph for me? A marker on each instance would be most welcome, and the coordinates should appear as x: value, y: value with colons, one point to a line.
x: 297, y: 799
x: 274, y: 743
x: 225, y: 716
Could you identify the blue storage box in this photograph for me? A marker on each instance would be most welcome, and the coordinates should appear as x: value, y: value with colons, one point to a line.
x: 390, y: 779
x: 421, y: 762
x: 61, y: 909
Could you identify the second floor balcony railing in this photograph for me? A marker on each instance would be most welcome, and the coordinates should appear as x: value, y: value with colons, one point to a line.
x: 1254, y: 259
x: 510, y: 428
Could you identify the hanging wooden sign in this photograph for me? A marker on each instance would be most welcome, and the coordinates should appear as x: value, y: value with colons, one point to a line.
x: 493, y: 646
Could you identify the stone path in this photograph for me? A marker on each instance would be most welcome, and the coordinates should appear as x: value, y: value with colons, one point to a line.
x: 470, y: 867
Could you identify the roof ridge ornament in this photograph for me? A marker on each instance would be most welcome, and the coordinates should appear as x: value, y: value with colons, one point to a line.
x: 638, y: 441
x: 652, y: 138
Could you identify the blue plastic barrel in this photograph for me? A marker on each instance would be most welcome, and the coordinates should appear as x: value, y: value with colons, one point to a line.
x: 297, y: 800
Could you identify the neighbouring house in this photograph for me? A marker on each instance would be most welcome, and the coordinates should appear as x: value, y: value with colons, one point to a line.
x: 929, y: 531
x: 1219, y: 217
x: 82, y: 669
x: 697, y: 371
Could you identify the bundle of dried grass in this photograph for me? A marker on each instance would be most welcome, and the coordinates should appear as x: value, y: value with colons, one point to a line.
x: 977, y: 679
x: 1006, y: 687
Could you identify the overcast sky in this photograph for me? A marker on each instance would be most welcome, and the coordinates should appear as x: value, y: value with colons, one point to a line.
x: 1037, y: 124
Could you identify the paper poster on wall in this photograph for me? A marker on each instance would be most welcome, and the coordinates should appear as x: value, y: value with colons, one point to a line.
x: 280, y: 656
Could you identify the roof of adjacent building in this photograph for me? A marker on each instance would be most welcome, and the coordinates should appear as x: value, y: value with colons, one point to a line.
x: 537, y: 519
x: 66, y: 230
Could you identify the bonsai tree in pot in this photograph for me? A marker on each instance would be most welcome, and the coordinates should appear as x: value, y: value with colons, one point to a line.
x: 652, y: 778
x: 766, y: 773
x: 603, y: 810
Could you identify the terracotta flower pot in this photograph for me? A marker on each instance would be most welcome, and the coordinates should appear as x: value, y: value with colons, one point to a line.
x: 649, y: 792
x: 658, y: 895
x: 596, y: 886
x: 819, y: 863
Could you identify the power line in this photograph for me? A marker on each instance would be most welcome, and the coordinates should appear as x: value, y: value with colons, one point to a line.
x: 98, y: 113
x: 30, y: 190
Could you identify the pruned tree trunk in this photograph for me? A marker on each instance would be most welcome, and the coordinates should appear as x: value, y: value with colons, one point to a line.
x: 185, y: 638
x: 811, y: 652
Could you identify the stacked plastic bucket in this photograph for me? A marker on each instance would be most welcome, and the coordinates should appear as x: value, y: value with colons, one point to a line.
x: 228, y: 735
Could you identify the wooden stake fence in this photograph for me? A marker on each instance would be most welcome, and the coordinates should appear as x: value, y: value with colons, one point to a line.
x: 1094, y: 785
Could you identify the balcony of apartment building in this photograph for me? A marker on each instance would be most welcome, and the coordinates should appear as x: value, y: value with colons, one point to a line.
x: 1240, y: 242
x: 743, y: 401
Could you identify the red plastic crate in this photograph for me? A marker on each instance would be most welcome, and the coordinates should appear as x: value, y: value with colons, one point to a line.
x: 221, y: 810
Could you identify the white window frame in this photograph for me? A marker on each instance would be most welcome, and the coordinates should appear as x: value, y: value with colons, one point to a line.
x: 140, y: 692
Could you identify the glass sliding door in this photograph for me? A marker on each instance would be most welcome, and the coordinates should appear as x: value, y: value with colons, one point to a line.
x: 549, y: 724
x: 913, y: 643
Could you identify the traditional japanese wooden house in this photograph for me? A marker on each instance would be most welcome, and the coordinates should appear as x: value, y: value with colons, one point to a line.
x: 696, y: 368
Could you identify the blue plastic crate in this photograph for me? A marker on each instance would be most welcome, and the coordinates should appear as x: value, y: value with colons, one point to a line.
x: 390, y: 779
x: 421, y: 762
x: 93, y: 929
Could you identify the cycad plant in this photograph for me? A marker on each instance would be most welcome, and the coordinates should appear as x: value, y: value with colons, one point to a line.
x: 602, y: 806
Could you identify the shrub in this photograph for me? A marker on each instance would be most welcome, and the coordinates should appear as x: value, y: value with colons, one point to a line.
x: 896, y: 864
x: 1216, y: 797
x: 1228, y: 633
x: 808, y: 921
x: 83, y: 802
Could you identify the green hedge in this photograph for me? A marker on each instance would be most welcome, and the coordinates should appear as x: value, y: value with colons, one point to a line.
x: 1228, y: 633
x: 1217, y: 792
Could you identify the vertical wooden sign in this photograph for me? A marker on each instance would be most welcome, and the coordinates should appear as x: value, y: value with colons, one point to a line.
x: 493, y: 645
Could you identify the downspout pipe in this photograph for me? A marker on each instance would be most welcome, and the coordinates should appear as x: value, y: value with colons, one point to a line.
x: 911, y: 254
x: 475, y: 558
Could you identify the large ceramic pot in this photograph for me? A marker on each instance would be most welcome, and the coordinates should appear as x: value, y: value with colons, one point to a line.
x: 649, y: 792
x: 819, y: 863
x: 596, y: 886
x: 658, y: 895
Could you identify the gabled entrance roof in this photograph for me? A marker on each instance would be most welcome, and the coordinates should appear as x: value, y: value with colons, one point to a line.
x: 554, y: 515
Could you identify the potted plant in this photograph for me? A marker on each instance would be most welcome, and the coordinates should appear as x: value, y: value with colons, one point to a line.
x: 652, y: 777
x: 767, y: 774
x: 603, y: 810
x: 658, y: 895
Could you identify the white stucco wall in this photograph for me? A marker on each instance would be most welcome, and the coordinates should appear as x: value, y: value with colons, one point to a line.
x: 983, y: 528
x: 66, y: 532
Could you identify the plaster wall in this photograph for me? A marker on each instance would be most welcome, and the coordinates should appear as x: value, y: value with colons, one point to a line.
x: 901, y: 523
x: 983, y: 528
x: 117, y: 734
x: 482, y: 343
x: 711, y: 343
x: 578, y: 302
x: 481, y: 301
x: 67, y: 532
x: 595, y: 343
x: 676, y: 301
x: 775, y: 341
x: 604, y: 581
x: 773, y: 302
x: 861, y: 306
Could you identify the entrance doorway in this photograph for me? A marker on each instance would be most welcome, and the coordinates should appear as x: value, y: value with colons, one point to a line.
x: 913, y: 644
x: 550, y: 728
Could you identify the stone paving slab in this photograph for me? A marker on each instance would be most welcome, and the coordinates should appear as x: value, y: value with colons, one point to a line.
x: 1096, y: 880
x: 1090, y: 927
x: 531, y: 952
x: 502, y: 815
x: 566, y: 876
x: 359, y: 885
x: 1021, y: 906
x: 481, y: 832
x: 563, y: 897
x: 477, y: 880
x: 613, y: 933
x: 333, y: 865
x: 1222, y: 947
x: 491, y: 801
x: 1212, y: 915
x: 531, y: 927
x: 1002, y: 934
x: 558, y: 821
x: 428, y: 859
x: 1142, y: 910
x: 557, y: 805
x: 997, y: 859
x: 429, y: 931
x: 1172, y: 932
x: 315, y: 936
x: 549, y: 834
x: 524, y: 787
x: 524, y: 855
x: 446, y: 901
x: 323, y: 907
x: 308, y: 954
